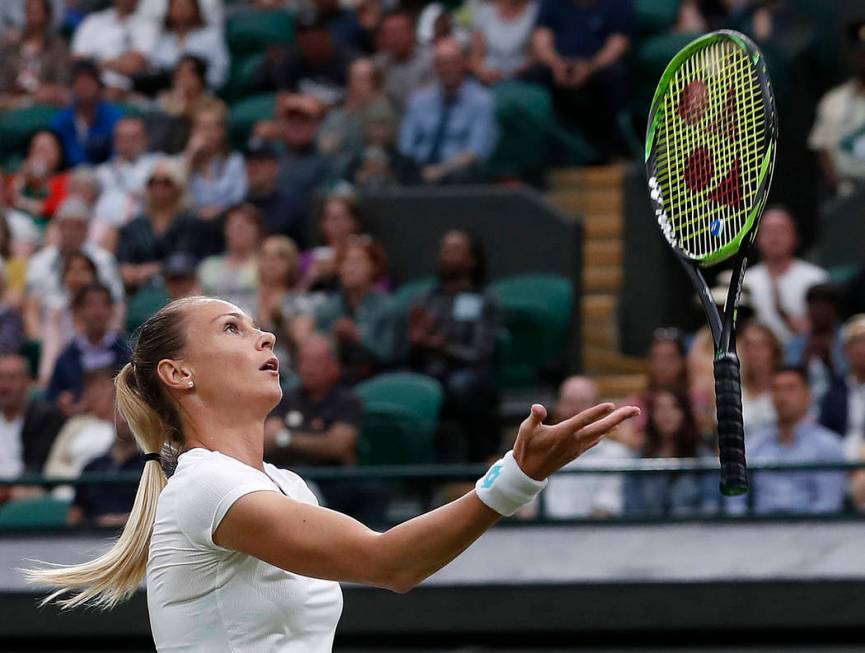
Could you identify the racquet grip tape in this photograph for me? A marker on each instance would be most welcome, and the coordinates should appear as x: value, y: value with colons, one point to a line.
x: 731, y: 430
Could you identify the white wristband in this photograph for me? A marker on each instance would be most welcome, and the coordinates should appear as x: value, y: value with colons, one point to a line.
x: 506, y: 488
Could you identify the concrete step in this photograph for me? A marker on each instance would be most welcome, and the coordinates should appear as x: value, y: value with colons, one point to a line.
x: 602, y: 251
x: 601, y: 360
x: 587, y: 201
x: 603, y: 225
x: 619, y: 386
x: 595, y: 176
x: 602, y: 278
x: 599, y: 305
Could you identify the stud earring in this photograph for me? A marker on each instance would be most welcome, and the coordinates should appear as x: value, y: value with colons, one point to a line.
x: 190, y: 383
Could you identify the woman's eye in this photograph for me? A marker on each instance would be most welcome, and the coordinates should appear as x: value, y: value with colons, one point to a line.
x: 232, y: 326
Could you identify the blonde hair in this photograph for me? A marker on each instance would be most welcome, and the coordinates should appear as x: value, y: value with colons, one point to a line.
x: 155, y: 422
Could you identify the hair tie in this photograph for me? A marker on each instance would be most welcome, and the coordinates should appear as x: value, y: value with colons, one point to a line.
x: 151, y: 456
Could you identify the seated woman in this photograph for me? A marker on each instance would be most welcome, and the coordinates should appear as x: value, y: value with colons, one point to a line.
x: 185, y: 32
x: 165, y: 228
x: 217, y: 176
x: 233, y: 276
x: 41, y: 184
x: 35, y: 69
x: 760, y: 353
x: 14, y: 255
x: 671, y: 432
x: 360, y: 317
x: 501, y: 35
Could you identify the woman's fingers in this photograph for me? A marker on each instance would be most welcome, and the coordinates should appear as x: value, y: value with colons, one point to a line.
x: 536, y: 417
x: 578, y: 421
x: 608, y: 423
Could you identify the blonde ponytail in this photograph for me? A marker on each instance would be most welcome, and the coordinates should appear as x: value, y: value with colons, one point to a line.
x: 115, y: 575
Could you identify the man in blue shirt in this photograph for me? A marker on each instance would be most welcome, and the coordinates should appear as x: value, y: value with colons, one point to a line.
x: 86, y: 128
x: 795, y: 439
x: 450, y: 127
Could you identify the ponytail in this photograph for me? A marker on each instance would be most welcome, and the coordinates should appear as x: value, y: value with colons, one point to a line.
x: 115, y: 575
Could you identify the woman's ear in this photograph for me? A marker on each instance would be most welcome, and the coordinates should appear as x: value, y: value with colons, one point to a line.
x: 174, y: 375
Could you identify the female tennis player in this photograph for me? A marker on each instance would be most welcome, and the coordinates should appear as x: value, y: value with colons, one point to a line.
x: 237, y: 554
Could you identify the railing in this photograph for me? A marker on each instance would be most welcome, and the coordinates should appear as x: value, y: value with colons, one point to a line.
x: 411, y: 489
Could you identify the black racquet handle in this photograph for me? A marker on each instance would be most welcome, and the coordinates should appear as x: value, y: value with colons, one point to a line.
x: 731, y: 430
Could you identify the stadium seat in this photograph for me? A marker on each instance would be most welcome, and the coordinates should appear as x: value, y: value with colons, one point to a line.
x: 401, y: 412
x: 254, y: 31
x: 17, y: 125
x: 38, y: 512
x: 241, y: 79
x: 143, y: 304
x: 246, y: 113
x: 655, y: 16
x: 407, y: 293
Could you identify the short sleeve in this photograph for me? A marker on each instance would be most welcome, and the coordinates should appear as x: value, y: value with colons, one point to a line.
x: 211, y: 488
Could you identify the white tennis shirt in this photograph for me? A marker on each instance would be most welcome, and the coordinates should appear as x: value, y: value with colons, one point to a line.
x: 203, y: 597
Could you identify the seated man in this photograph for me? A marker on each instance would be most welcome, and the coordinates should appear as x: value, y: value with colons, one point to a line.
x: 405, y: 66
x: 282, y: 213
x: 452, y: 336
x: 598, y: 496
x: 843, y: 407
x: 95, y: 346
x: 795, y: 439
x: 450, y: 129
x: 318, y: 423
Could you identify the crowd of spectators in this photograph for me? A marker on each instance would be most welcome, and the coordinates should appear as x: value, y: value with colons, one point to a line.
x: 140, y: 190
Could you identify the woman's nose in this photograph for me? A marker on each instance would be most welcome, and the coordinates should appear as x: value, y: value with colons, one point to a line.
x: 267, y: 340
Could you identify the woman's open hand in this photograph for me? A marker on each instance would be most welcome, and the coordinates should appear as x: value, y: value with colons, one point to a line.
x: 541, y: 450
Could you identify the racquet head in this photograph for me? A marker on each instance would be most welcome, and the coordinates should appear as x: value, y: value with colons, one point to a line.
x: 710, y: 146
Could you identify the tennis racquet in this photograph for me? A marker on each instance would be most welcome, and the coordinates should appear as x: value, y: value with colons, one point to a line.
x: 710, y: 153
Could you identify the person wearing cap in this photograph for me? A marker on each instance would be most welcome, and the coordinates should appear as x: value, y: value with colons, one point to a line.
x: 843, y: 407
x: 282, y: 213
x: 44, y: 271
x: 450, y: 128
x: 838, y: 135
x: 87, y: 125
x: 119, y: 40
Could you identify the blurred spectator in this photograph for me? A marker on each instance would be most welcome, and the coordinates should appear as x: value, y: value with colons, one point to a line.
x: 760, y: 354
x: 179, y: 279
x: 318, y: 423
x: 95, y: 345
x: 585, y: 495
x: 14, y: 17
x: 109, y: 505
x: 501, y: 36
x: 302, y: 168
x: 45, y: 288
x: 671, y: 432
x: 581, y: 47
x: 213, y: 11
x: 315, y: 65
x: 217, y: 175
x: 341, y: 134
x: 378, y: 163
x: 36, y: 68
x: 843, y: 407
x: 351, y: 28
x: 178, y: 105
x: 41, y: 183
x: 452, y: 336
x: 28, y: 426
x: 821, y: 350
x: 14, y: 263
x: 795, y: 440
x: 185, y: 32
x: 404, y: 65
x: 123, y: 179
x: 11, y: 322
x: 165, y: 227
x: 360, y: 317
x: 87, y: 126
x: 86, y: 435
x: 282, y: 213
x: 339, y: 219
x: 84, y: 185
x: 779, y: 282
x: 233, y: 276
x: 839, y: 128
x: 119, y: 40
x: 450, y: 129
x: 57, y: 327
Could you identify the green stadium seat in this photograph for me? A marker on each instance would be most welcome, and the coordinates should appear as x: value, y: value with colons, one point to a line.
x: 254, y: 31
x: 241, y: 79
x: 245, y: 113
x: 527, y: 124
x: 143, y: 304
x: 32, y: 351
x: 17, y: 125
x: 654, y: 16
x: 38, y: 512
x: 407, y: 293
x: 401, y: 412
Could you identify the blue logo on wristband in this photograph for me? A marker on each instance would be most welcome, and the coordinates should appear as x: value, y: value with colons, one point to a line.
x: 491, y: 476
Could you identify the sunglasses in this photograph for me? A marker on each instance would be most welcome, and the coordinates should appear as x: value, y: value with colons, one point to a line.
x: 160, y: 181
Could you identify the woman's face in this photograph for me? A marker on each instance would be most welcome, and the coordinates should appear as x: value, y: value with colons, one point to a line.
x: 757, y: 349
x: 226, y: 357
x: 667, y: 415
x: 356, y: 271
x: 275, y: 264
x: 45, y: 152
x: 78, y: 275
x: 211, y: 129
x: 161, y: 188
x: 666, y: 364
x: 241, y: 234
x: 182, y: 13
x: 337, y: 222
x: 186, y: 79
x: 361, y: 80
